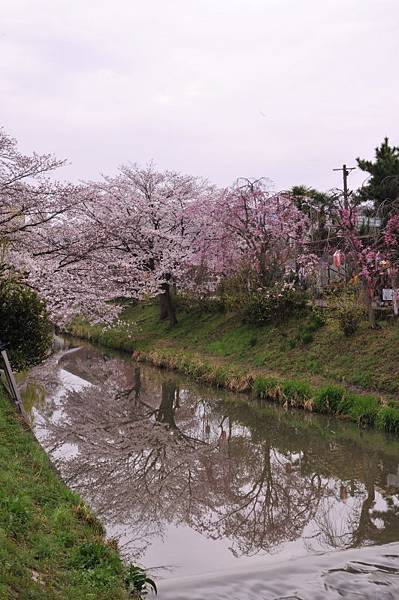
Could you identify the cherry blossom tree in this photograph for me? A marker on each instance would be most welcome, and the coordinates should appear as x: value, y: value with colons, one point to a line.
x: 391, y: 240
x: 142, y: 231
x: 85, y: 246
x: 34, y: 210
x: 137, y: 234
x: 142, y: 223
x: 365, y: 255
x: 29, y: 199
x: 75, y: 270
x: 251, y: 229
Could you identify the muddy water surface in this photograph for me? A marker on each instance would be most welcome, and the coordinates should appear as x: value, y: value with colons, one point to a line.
x: 221, y: 496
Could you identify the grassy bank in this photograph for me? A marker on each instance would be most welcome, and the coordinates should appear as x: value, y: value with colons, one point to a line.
x: 51, y: 546
x: 299, y: 363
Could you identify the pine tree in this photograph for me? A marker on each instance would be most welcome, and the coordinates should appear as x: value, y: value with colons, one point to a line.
x: 383, y: 185
x: 316, y: 206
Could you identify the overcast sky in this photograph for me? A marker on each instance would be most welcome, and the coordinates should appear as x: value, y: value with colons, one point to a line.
x: 287, y: 89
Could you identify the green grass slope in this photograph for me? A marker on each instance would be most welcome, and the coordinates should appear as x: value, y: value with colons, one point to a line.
x: 301, y: 363
x: 51, y: 546
x: 300, y: 348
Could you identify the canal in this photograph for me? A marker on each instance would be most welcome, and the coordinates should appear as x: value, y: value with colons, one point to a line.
x: 220, y: 495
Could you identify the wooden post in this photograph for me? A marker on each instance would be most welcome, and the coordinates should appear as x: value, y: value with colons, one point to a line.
x: 12, y: 384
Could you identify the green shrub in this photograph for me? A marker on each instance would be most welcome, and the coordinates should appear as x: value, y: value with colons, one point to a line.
x: 265, y: 387
x: 328, y: 399
x: 138, y: 583
x: 306, y: 338
x: 349, y: 319
x: 362, y: 409
x: 297, y: 392
x: 191, y: 302
x: 24, y: 324
x: 345, y: 309
x: 274, y: 304
x: 345, y: 403
x: 98, y: 566
x: 306, y: 331
x: 318, y: 319
x: 388, y: 419
x: 91, y: 555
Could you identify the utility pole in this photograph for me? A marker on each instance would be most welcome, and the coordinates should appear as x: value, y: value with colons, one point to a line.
x: 345, y: 172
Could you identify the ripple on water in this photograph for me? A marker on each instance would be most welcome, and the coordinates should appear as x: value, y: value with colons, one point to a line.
x: 367, y: 574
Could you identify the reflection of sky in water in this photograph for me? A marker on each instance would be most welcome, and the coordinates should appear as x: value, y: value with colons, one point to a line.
x: 338, y: 516
x: 365, y: 574
x: 67, y: 381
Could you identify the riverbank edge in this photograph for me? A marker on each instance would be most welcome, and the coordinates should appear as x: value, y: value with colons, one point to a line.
x: 51, y: 543
x: 365, y: 409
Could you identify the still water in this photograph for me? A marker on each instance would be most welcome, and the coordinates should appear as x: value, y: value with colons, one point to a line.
x: 219, y: 495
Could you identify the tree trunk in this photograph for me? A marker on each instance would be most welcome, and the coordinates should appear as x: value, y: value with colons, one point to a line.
x: 163, y: 308
x: 166, y: 308
x: 366, y: 529
x: 134, y: 396
x: 368, y: 298
x: 167, y: 408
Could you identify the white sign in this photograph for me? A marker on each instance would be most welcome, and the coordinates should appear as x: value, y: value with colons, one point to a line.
x: 387, y: 294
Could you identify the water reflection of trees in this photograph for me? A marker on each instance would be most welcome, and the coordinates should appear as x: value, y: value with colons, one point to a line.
x: 152, y: 453
x: 360, y: 505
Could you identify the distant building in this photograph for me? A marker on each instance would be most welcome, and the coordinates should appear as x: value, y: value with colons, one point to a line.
x: 363, y: 218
